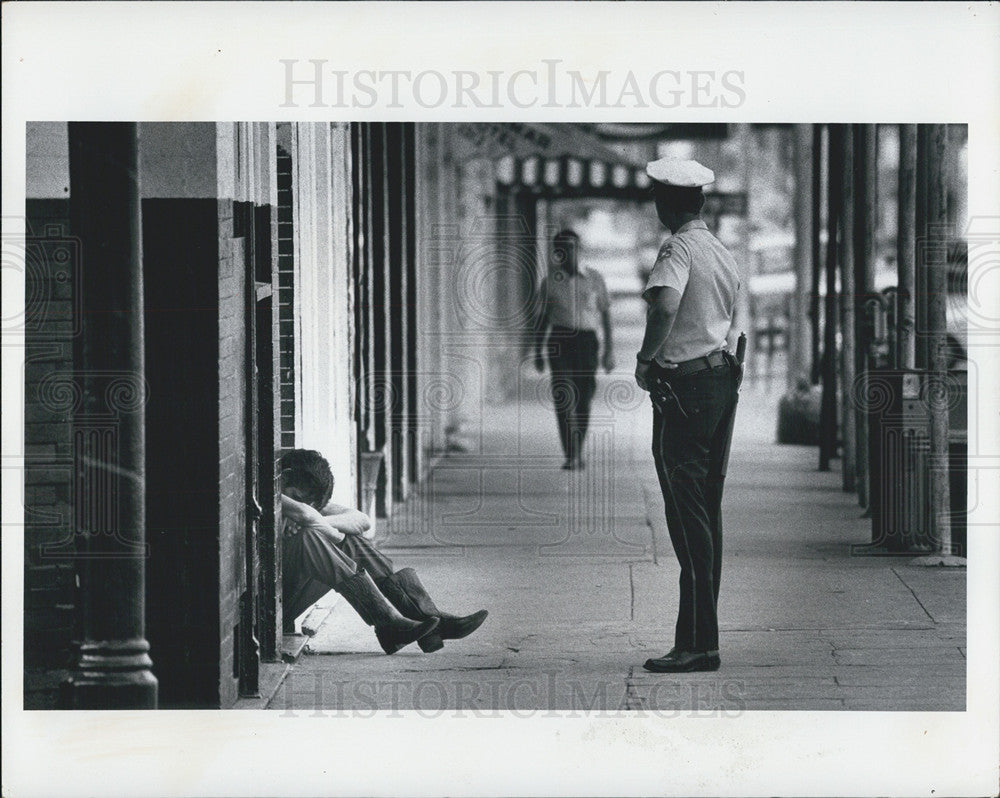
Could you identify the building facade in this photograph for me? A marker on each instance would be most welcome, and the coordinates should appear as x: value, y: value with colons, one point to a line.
x: 360, y: 289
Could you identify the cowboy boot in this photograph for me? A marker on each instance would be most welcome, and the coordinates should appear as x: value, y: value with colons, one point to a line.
x: 392, y: 629
x: 406, y: 592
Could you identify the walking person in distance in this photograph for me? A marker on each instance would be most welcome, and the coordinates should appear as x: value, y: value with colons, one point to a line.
x: 575, y: 305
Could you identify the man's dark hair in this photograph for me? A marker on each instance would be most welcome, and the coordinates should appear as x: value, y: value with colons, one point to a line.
x: 564, y: 242
x: 679, y: 198
x: 309, y: 472
x: 565, y: 238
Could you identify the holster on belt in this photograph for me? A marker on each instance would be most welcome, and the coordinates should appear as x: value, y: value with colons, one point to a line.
x: 737, y: 359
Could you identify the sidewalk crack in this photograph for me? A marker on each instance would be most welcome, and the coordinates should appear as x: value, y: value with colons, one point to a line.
x: 648, y: 505
x: 631, y: 700
x: 913, y: 593
x: 631, y: 594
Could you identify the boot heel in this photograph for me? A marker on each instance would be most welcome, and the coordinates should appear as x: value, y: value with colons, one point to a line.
x: 405, y: 591
x: 392, y: 629
x: 392, y: 638
x: 431, y: 642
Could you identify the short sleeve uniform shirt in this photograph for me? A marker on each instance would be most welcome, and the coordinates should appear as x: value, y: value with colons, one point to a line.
x: 575, y: 300
x: 696, y: 264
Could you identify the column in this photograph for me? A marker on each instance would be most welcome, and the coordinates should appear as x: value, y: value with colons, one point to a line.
x: 113, y: 669
x: 816, y: 248
x: 828, y: 407
x: 865, y: 307
x: 920, y: 226
x: 799, y: 328
x: 848, y: 309
x: 935, y: 266
x: 906, y: 245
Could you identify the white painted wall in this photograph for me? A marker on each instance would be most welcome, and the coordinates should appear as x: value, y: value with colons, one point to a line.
x: 323, y: 310
x: 47, y: 164
x: 178, y: 160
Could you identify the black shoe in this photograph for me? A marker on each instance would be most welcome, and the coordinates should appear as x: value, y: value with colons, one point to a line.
x: 684, y: 662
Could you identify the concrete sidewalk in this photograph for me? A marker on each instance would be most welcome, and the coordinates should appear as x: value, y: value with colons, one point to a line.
x: 581, y: 583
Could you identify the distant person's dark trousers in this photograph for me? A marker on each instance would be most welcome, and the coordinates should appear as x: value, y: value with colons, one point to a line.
x: 573, y: 360
x: 692, y: 417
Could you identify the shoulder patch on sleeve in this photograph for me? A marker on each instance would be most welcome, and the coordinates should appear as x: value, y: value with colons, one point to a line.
x: 675, y: 245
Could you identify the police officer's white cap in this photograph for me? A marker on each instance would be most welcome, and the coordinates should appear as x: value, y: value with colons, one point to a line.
x: 676, y: 172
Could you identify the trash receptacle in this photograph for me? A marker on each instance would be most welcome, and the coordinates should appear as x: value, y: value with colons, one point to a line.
x: 899, y: 413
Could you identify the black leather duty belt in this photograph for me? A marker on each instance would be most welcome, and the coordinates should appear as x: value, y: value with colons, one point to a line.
x: 703, y: 363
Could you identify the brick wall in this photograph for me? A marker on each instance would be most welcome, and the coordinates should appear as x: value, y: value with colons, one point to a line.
x: 277, y: 443
x: 239, y: 222
x: 209, y: 551
x: 232, y: 449
x: 48, y: 402
x: 196, y: 421
x: 286, y: 299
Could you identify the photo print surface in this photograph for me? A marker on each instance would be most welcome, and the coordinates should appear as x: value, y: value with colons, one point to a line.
x: 459, y: 322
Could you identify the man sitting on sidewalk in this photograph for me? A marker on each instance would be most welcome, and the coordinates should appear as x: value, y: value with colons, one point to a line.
x: 324, y: 547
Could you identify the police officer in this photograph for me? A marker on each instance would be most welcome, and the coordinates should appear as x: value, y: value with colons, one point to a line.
x: 574, y: 304
x: 692, y: 380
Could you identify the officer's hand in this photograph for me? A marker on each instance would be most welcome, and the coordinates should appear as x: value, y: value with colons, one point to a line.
x: 539, y: 362
x: 641, y: 375
x: 609, y: 362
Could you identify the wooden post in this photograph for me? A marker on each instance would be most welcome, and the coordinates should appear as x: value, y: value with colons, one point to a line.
x: 920, y: 226
x: 397, y: 316
x: 745, y: 306
x: 113, y: 669
x: 905, y: 245
x: 799, y: 328
x: 848, y: 311
x: 866, y: 220
x: 416, y: 409
x: 816, y: 248
x: 936, y: 260
x: 828, y: 407
x: 383, y: 323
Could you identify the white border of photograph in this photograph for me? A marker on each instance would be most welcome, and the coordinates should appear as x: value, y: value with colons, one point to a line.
x: 799, y: 62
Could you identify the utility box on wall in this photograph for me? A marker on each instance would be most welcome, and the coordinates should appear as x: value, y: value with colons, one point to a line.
x: 899, y: 407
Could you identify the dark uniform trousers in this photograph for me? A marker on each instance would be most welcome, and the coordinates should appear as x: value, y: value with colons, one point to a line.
x: 573, y: 360
x: 692, y: 422
x: 313, y: 565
